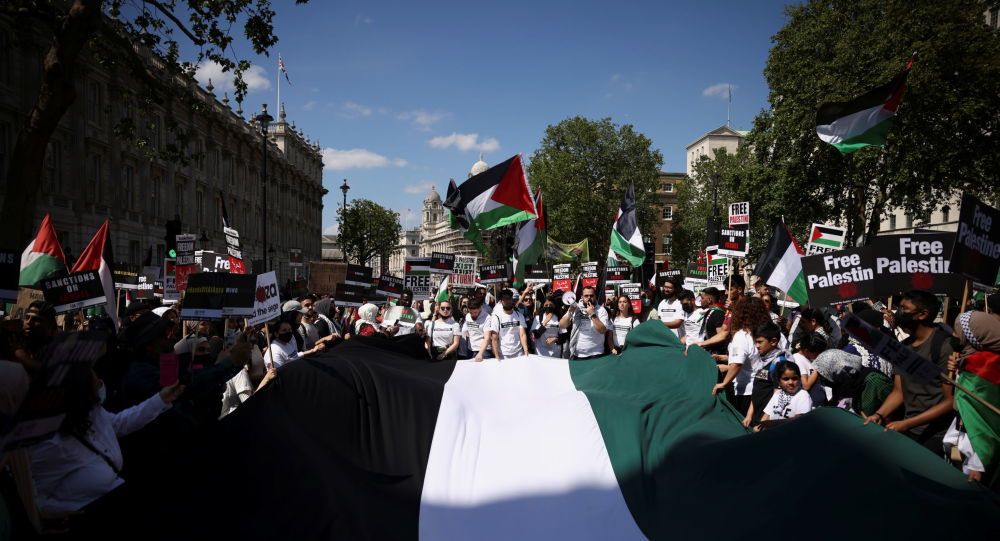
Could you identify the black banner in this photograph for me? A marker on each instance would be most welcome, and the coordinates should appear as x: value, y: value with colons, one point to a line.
x: 359, y: 275
x: 204, y: 296
x: 238, y: 299
x: 390, y: 286
x: 493, y: 274
x: 916, y: 261
x: 10, y: 272
x: 976, y: 255
x: 840, y: 277
x: 697, y: 271
x: 75, y: 291
x: 126, y: 277
x: 536, y: 275
x: 618, y: 275
x: 664, y: 275
x: 442, y: 263
x: 714, y: 224
x: 733, y: 240
x: 351, y: 294
x: 146, y: 286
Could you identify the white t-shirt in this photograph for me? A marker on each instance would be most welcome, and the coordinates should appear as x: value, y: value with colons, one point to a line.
x: 282, y: 353
x: 692, y: 325
x: 785, y: 406
x: 552, y: 330
x: 622, y: 327
x: 508, y: 327
x: 671, y: 311
x: 442, y: 333
x: 474, y: 331
x: 588, y: 341
x: 819, y: 393
x: 743, y: 351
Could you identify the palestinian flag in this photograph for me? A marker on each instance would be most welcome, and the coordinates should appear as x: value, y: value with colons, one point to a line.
x: 97, y: 256
x: 43, y: 257
x: 780, y: 265
x: 827, y: 236
x: 496, y: 197
x: 532, y: 239
x: 472, y: 235
x: 382, y: 443
x: 863, y: 121
x: 981, y: 374
x: 442, y: 292
x: 626, y: 240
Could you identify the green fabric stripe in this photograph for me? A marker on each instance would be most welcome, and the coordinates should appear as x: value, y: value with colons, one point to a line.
x: 828, y: 242
x: 531, y: 254
x: 875, y: 136
x: 43, y: 266
x: 501, y: 216
x: 798, y: 290
x: 982, y: 424
x: 630, y: 252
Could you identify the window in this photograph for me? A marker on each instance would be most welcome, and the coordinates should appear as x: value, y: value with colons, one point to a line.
x: 668, y: 213
x: 909, y: 221
x: 135, y: 257
x: 665, y: 244
x: 668, y: 187
x: 892, y: 222
x: 179, y: 200
x: 154, y: 133
x: 945, y: 213
x: 154, y: 197
x: 199, y: 208
x: 994, y: 15
x: 53, y: 168
x: 5, y: 57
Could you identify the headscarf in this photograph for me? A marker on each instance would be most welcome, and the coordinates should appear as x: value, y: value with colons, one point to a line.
x: 366, y: 314
x: 837, y: 366
x: 979, y: 332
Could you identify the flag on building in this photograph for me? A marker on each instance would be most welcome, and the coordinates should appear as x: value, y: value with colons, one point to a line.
x: 496, y: 197
x: 472, y: 235
x: 780, y: 265
x: 863, y: 121
x: 222, y: 210
x: 284, y: 71
x: 43, y: 257
x: 531, y: 240
x: 97, y: 256
x: 626, y: 240
x: 442, y: 292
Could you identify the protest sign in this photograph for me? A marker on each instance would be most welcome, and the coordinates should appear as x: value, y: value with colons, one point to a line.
x: 839, y: 277
x: 295, y: 257
x: 718, y: 267
x: 390, y: 286
x: 695, y: 285
x: 25, y: 296
x: 617, y: 275
x: 170, y: 292
x: 238, y: 299
x: 145, y: 288
x: 561, y: 279
x: 266, y: 300
x: 536, y: 275
x: 212, y: 262
x: 698, y: 271
x: 733, y: 241
x: 233, y: 243
x: 126, y: 277
x: 442, y: 263
x: 185, y: 249
x: 418, y: 276
x: 493, y: 274
x: 325, y: 275
x: 181, y: 274
x: 236, y: 266
x: 10, y: 272
x: 203, y: 298
x: 915, y: 261
x: 358, y: 275
x: 739, y: 213
x: 351, y: 294
x: 633, y: 292
x: 883, y: 343
x: 825, y: 238
x: 976, y: 254
x: 75, y: 291
x: 664, y: 275
x: 405, y: 317
x: 298, y: 288
x: 464, y: 274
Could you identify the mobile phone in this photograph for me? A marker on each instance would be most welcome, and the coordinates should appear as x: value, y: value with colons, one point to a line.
x: 878, y: 306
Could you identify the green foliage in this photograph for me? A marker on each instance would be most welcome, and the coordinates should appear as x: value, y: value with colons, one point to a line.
x: 583, y: 168
x: 368, y: 230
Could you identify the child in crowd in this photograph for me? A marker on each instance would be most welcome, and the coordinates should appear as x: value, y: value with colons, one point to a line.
x: 790, y: 400
x: 767, y: 340
x: 810, y: 346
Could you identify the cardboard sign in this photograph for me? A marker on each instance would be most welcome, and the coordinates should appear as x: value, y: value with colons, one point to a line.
x: 325, y: 275
x: 75, y: 291
x: 617, y: 275
x: 840, y: 277
x: 238, y: 299
x: 536, y: 275
x: 442, y: 263
x: 976, y: 255
x: 232, y: 242
x: 204, y: 296
x: 915, y: 261
x: 406, y: 317
x: 733, y: 241
x: 418, y: 276
x: 883, y: 343
x: 664, y: 276
x: 358, y: 275
x: 633, y: 292
x: 493, y: 274
x: 146, y: 286
x: 390, y: 286
x: 25, y: 296
x: 10, y: 272
x: 351, y: 294
x: 561, y: 279
x: 718, y: 267
x: 739, y: 213
x: 185, y: 249
x: 294, y: 257
x: 464, y: 274
x: 266, y: 299
x: 825, y: 238
x: 126, y: 277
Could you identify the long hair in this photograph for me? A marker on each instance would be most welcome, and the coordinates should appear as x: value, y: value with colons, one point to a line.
x: 629, y: 309
x: 748, y: 313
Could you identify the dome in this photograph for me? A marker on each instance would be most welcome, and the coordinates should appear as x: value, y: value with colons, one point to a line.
x: 433, y: 197
x: 479, y: 167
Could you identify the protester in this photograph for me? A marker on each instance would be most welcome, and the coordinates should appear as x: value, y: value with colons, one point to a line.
x: 713, y: 330
x: 39, y: 327
x: 670, y: 310
x: 852, y: 386
x: 622, y: 324
x: 443, y: 334
x: 367, y: 323
x: 506, y: 330
x: 325, y: 318
x: 549, y: 338
x: 473, y: 331
x: 772, y: 307
x: 526, y: 304
x: 811, y: 345
x: 589, y: 323
x: 648, y: 311
x: 767, y: 340
x: 790, y: 400
x: 406, y: 301
x: 868, y: 358
x: 282, y: 349
x: 691, y: 331
x: 742, y: 358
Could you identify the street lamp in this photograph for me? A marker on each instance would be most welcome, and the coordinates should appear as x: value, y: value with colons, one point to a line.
x: 264, y: 120
x: 343, y: 215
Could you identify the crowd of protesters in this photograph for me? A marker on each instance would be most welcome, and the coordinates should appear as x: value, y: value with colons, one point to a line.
x: 123, y: 418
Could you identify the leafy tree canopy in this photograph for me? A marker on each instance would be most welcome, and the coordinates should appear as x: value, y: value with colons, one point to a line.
x: 368, y: 230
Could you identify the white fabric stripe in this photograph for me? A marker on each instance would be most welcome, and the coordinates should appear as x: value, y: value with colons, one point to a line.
x: 481, y: 203
x: 853, y: 124
x: 787, y: 269
x: 517, y: 454
x: 636, y: 239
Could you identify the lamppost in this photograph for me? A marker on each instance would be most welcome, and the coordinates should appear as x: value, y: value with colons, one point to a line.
x: 264, y: 120
x: 343, y: 215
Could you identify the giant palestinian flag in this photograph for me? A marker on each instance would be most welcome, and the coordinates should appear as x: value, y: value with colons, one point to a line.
x: 626, y: 240
x: 43, y: 257
x: 496, y: 197
x: 863, y: 121
x: 531, y: 240
x: 97, y: 256
x: 372, y: 440
x: 780, y: 265
x: 981, y: 374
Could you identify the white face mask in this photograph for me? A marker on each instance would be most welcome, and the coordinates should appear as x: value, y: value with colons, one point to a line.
x: 102, y: 393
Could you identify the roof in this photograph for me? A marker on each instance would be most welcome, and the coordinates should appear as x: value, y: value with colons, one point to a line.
x: 721, y: 131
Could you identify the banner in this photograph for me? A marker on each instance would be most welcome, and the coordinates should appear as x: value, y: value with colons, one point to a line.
x: 536, y: 275
x: 146, y: 286
x: 204, y: 295
x: 915, y: 261
x: 558, y: 251
x: 664, y: 275
x: 126, y: 277
x: 358, y: 275
x: 185, y: 249
x: 739, y: 214
x: 976, y: 255
x: 561, y: 279
x: 825, y: 238
x: 390, y: 286
x: 232, y: 243
x: 493, y: 274
x: 75, y: 291
x: 733, y: 241
x: 418, y: 276
x: 266, y: 299
x: 351, y: 294
x: 840, y: 277
x: 294, y: 257
x: 633, y: 291
x: 10, y: 271
x: 238, y: 298
x: 718, y: 267
x: 442, y: 263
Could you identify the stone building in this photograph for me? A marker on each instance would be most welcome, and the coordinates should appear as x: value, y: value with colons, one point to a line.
x: 666, y: 199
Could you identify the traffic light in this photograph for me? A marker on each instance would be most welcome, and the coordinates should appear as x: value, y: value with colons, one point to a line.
x: 173, y: 228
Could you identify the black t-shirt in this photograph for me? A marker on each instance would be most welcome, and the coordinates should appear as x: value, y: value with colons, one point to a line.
x: 714, y: 318
x: 919, y: 397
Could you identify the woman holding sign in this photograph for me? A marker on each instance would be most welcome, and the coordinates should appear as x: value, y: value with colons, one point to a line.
x: 443, y: 334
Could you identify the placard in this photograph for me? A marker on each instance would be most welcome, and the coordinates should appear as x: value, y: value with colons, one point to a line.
x: 589, y: 276
x: 126, y: 277
x: 294, y: 257
x: 185, y: 249
x: 464, y: 274
x: 146, y: 285
x: 181, y: 274
x: 561, y: 279
x: 10, y: 273
x: 351, y: 294
x: 418, y: 276
x: 697, y: 271
x: 617, y: 275
x: 493, y: 274
x: 406, y: 317
x: 536, y: 275
x: 212, y: 262
x: 238, y: 299
x: 634, y: 293
x: 825, y: 238
x: 170, y: 292
x: 976, y: 254
x: 718, y: 267
x: 266, y: 301
x: 881, y: 342
x: 442, y: 263
x: 237, y: 266
x: 839, y: 277
x: 232, y: 242
x: 358, y: 275
x: 664, y: 276
x: 25, y: 296
x: 915, y: 261
x: 74, y: 291
x: 325, y: 275
x: 733, y: 241
x: 390, y: 286
x: 739, y: 214
x: 204, y: 295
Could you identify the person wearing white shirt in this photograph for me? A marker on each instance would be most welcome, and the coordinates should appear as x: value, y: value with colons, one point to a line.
x: 670, y: 310
x: 506, y: 329
x: 545, y: 328
x: 691, y: 331
x: 282, y: 349
x: 443, y: 333
x: 475, y: 325
x: 790, y: 400
x: 742, y: 358
x: 590, y: 322
x: 623, y: 323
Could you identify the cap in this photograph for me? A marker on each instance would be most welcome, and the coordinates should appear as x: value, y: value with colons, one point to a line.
x: 293, y: 306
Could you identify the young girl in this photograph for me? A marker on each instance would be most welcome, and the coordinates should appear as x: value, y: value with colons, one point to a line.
x: 790, y: 400
x: 624, y: 321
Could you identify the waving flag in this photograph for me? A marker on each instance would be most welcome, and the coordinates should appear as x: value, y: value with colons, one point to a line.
x: 281, y: 68
x: 97, y: 256
x: 626, y: 240
x: 531, y: 240
x: 780, y: 265
x: 496, y: 197
x: 43, y: 257
x: 472, y: 235
x: 863, y: 121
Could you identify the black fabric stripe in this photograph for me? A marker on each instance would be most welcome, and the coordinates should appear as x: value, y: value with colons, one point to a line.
x: 829, y: 112
x: 773, y: 253
x: 627, y: 224
x: 472, y: 188
x: 336, y: 447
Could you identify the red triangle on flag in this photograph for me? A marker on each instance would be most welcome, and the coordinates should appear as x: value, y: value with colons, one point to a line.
x: 513, y: 188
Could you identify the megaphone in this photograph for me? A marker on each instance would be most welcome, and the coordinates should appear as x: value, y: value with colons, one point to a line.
x: 568, y: 298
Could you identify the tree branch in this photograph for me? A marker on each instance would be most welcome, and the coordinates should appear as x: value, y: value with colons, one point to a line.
x: 166, y: 12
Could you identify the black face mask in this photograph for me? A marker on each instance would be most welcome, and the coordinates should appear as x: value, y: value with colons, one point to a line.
x: 285, y: 337
x: 688, y: 308
x: 905, y: 320
x: 549, y: 309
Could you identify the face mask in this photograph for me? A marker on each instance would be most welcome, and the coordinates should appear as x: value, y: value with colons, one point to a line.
x: 285, y: 337
x: 550, y: 309
x: 102, y: 393
x: 905, y: 319
x: 687, y: 308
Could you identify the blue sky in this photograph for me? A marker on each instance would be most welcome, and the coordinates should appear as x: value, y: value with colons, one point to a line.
x: 404, y: 95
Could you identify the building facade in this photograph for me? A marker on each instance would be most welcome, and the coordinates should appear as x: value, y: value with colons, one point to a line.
x: 91, y: 175
x: 666, y: 196
x: 706, y: 145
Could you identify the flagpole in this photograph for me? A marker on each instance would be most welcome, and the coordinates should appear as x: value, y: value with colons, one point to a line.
x: 277, y: 106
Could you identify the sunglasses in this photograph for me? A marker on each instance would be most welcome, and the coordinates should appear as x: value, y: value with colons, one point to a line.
x: 446, y: 308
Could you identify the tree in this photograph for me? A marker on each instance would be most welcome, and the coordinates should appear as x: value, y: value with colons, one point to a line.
x: 583, y: 168
x: 946, y: 133
x: 368, y: 230
x: 139, y: 42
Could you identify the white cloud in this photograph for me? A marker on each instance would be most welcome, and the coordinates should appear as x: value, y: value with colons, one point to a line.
x: 616, y: 77
x: 360, y: 19
x: 332, y: 230
x: 721, y: 90
x: 352, y: 110
x: 423, y: 119
x: 420, y: 187
x: 465, y: 142
x: 256, y: 77
x: 356, y: 158
x: 309, y: 105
